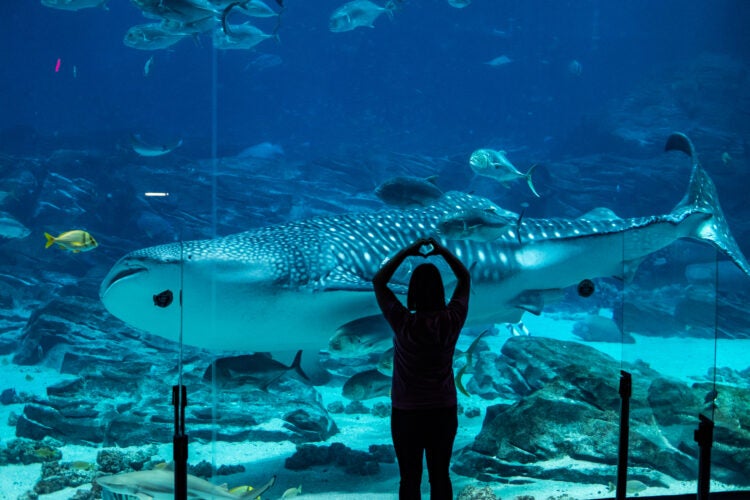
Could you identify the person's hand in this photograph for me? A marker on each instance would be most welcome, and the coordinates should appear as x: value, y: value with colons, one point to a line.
x: 431, y: 246
x: 415, y: 249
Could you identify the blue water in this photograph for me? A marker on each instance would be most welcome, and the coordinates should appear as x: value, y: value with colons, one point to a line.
x: 591, y: 91
x: 416, y: 82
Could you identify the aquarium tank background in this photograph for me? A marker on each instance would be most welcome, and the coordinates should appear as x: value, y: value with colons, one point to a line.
x: 196, y: 194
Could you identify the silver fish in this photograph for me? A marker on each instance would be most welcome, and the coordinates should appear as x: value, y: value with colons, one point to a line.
x: 256, y: 371
x: 478, y: 224
x: 367, y: 385
x: 151, y: 36
x: 357, y: 13
x: 407, y: 191
x: 361, y: 337
x: 495, y: 164
x: 158, y: 484
x: 243, y: 36
x: 11, y: 228
x: 144, y: 148
x: 290, y: 286
x: 73, y: 4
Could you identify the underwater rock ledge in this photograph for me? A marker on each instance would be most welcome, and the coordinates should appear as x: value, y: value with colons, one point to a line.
x: 565, y: 425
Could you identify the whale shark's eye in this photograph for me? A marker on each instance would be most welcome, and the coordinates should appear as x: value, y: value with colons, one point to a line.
x: 163, y: 299
x: 586, y: 288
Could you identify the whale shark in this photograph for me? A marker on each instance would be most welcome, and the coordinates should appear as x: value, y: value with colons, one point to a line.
x: 291, y: 285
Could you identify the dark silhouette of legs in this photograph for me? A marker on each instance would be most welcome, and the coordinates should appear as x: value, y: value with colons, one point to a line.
x: 442, y: 429
x: 407, y: 442
x: 416, y: 432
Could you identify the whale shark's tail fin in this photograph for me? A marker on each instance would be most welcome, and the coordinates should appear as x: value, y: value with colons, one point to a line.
x: 702, y: 197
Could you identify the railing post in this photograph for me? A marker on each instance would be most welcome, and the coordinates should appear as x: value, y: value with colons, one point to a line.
x: 180, y: 442
x: 626, y: 390
x: 704, y: 436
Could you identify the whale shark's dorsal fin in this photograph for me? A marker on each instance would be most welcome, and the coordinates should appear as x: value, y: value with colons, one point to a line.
x: 600, y: 213
x: 680, y: 142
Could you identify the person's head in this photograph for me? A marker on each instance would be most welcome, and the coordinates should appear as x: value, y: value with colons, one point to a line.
x: 426, y: 292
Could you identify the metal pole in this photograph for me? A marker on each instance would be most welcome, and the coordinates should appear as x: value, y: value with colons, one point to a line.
x: 704, y: 436
x: 180, y: 442
x: 626, y: 390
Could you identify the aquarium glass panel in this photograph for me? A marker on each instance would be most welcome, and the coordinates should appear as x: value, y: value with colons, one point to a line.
x: 199, y: 193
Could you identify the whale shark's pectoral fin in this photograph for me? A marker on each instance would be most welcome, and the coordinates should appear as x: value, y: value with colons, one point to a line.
x: 340, y: 279
x: 629, y: 268
x: 533, y: 301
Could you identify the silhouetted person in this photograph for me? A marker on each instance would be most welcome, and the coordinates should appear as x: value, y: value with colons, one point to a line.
x: 424, y: 417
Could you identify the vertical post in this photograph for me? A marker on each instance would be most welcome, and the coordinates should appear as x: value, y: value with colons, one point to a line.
x: 704, y: 436
x: 180, y: 442
x: 626, y: 390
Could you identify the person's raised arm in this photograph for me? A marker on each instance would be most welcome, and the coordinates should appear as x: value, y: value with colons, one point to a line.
x: 463, y: 277
x: 384, y: 275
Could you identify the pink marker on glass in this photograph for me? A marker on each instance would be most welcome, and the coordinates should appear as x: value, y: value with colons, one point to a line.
x: 57, y: 66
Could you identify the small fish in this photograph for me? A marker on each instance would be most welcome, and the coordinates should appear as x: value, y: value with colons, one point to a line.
x: 148, y: 65
x: 292, y: 492
x: 150, y: 36
x: 407, y: 191
x: 11, y: 228
x: 256, y: 371
x: 361, y: 337
x: 385, y: 362
x: 243, y: 36
x: 459, y: 4
x: 265, y: 150
x: 575, y: 68
x: 357, y: 13
x: 159, y: 484
x: 74, y: 241
x: 145, y: 149
x: 468, y: 367
x: 499, y: 61
x: 74, y: 4
x: 495, y: 164
x: 517, y: 329
x: 478, y: 224
x: 710, y: 400
x: 256, y: 8
x: 366, y: 385
x: 726, y: 158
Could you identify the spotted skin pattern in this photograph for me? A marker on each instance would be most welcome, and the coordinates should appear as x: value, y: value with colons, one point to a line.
x: 290, y: 286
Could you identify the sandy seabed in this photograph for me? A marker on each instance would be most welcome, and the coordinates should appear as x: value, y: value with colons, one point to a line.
x: 670, y: 356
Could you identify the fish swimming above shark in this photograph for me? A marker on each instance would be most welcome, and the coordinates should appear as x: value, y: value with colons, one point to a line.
x: 289, y: 286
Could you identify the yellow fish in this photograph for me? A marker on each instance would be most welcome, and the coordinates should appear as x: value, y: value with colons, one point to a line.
x: 75, y: 241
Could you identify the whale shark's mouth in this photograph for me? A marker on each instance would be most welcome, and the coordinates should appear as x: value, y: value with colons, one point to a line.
x: 124, y: 274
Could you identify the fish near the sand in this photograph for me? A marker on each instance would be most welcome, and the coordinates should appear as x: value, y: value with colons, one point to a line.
x: 158, y: 484
x: 289, y: 286
x: 407, y: 191
x: 367, y: 385
x: 258, y: 371
x: 495, y: 164
x: 144, y: 148
x: 357, y: 13
x: 361, y: 337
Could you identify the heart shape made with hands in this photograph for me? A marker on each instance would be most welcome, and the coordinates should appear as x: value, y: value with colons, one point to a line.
x: 427, y: 249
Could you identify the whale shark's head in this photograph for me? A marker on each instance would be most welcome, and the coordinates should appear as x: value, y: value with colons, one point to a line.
x: 145, y: 288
